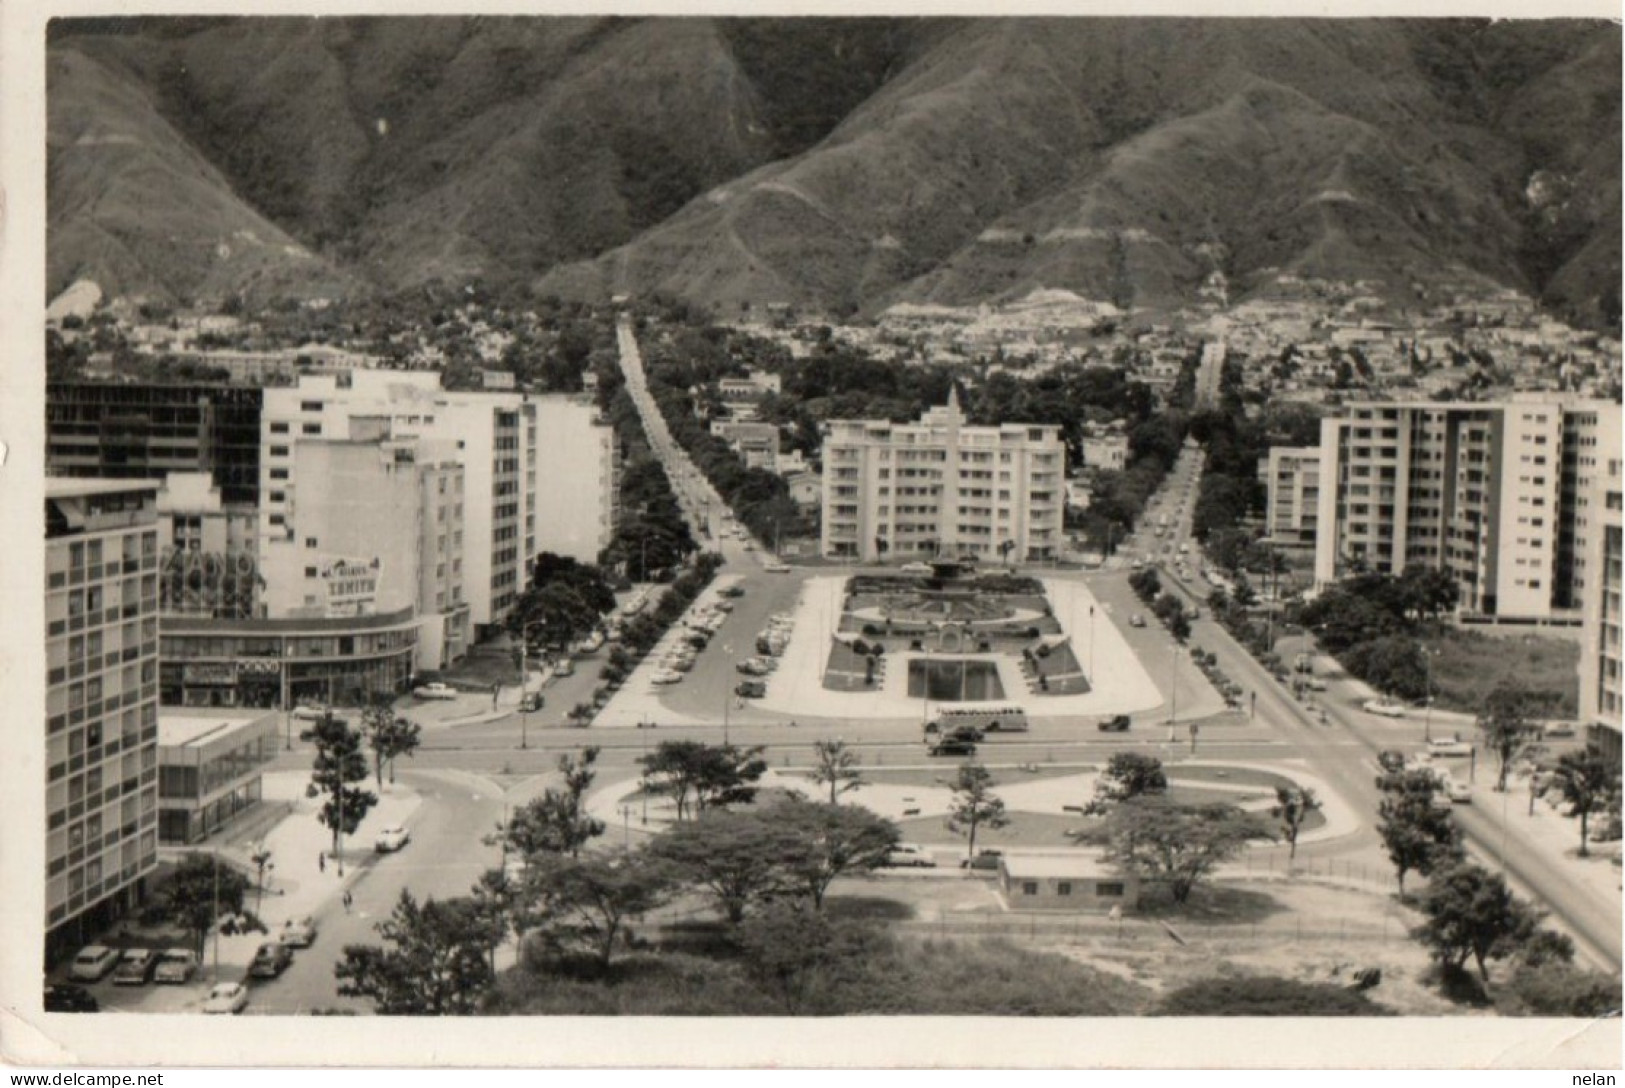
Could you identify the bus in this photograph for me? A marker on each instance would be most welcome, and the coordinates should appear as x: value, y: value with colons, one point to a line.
x: 989, y: 719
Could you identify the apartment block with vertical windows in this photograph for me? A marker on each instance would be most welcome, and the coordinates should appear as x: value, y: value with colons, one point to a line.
x: 1292, y: 481
x: 1601, y: 705
x: 941, y: 487
x: 101, y: 703
x: 1477, y: 489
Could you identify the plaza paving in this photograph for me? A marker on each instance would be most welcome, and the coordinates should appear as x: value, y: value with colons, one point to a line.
x: 1120, y: 683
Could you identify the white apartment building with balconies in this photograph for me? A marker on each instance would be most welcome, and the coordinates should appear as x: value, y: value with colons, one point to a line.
x: 1601, y: 704
x: 941, y: 487
x: 577, y: 479
x: 1292, y: 481
x: 1482, y: 490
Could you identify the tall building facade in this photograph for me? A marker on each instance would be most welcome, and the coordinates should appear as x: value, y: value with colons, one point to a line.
x: 146, y: 431
x: 1601, y: 704
x: 493, y: 435
x: 577, y: 474
x: 1480, y: 490
x: 942, y: 487
x: 1292, y: 481
x: 380, y: 530
x: 101, y: 703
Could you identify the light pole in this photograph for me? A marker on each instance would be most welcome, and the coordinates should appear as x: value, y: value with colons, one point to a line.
x: 1173, y: 688
x: 1427, y: 708
x: 524, y: 647
x: 1091, y: 644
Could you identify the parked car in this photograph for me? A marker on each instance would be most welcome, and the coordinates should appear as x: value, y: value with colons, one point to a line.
x: 227, y: 997
x: 1315, y: 683
x: 1557, y: 729
x: 952, y: 747
x: 272, y: 958
x: 984, y: 859
x: 532, y: 702
x: 135, y: 967
x: 1136, y: 620
x: 175, y: 965
x: 915, y: 568
x: 70, y: 998
x: 391, y: 839
x: 435, y: 691
x: 1117, y: 723
x: 309, y: 712
x: 1449, y: 746
x: 92, y: 963
x: 667, y: 676
x: 750, y: 689
x: 564, y: 668
x: 776, y: 568
x: 908, y: 855
x: 1460, y: 793
x: 1384, y: 708
x: 732, y: 591
x: 299, y: 932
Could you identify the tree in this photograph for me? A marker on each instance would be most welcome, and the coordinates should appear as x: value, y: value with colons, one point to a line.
x: 974, y: 805
x: 1471, y: 911
x: 339, y: 763
x: 435, y: 960
x: 712, y: 775
x: 389, y: 734
x: 556, y: 822
x: 1173, y: 843
x: 199, y: 891
x: 1293, y: 804
x: 1587, y: 783
x: 830, y: 841
x: 1419, y: 835
x: 584, y: 904
x: 1507, y: 731
x: 260, y: 857
x: 837, y: 765
x: 789, y: 944
x: 1127, y: 775
x: 736, y: 856
x: 1145, y: 583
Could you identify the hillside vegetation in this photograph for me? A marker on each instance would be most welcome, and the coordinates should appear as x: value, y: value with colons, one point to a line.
x: 844, y: 164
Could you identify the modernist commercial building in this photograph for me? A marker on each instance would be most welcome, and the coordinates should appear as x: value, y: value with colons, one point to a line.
x: 577, y: 477
x: 1292, y: 481
x: 494, y: 435
x: 1601, y: 705
x: 210, y: 767
x: 1494, y: 493
x: 101, y: 703
x: 941, y: 487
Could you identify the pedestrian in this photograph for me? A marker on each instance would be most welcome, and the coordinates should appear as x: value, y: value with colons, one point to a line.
x: 321, y: 863
x: 495, y: 689
x: 347, y: 901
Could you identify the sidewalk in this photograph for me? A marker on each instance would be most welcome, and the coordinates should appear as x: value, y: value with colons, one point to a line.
x: 297, y: 886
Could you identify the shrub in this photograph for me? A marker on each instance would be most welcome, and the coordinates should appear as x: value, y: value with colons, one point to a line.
x: 1032, y: 632
x: 1556, y: 989
x: 1266, y: 996
x: 860, y: 647
x: 871, y: 630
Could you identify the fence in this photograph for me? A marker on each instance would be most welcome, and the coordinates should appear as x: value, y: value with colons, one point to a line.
x: 1144, y: 934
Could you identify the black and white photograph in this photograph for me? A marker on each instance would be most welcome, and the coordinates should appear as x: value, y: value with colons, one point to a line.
x: 773, y: 521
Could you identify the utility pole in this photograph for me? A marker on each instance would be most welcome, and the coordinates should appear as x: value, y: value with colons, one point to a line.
x: 217, y: 912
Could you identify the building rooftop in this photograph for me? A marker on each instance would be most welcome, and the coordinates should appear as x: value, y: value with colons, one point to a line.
x: 65, y: 487
x: 1057, y: 865
x: 180, y: 728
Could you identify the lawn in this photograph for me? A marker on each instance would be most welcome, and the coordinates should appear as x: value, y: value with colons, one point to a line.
x: 1024, y: 829
x: 944, y: 775
x: 1470, y: 663
x: 1235, y: 776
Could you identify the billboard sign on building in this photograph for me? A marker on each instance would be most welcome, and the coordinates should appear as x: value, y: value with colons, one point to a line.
x: 351, y: 585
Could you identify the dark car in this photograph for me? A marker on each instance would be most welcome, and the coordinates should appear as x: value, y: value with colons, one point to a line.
x: 986, y: 859
x: 271, y: 960
x: 750, y: 689
x: 532, y: 702
x: 1391, y: 760
x: 1117, y: 723
x: 66, y: 998
x: 953, y: 747
x: 733, y: 591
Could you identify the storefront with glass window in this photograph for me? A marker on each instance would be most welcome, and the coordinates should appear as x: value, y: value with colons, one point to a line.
x: 283, y: 663
x: 210, y: 766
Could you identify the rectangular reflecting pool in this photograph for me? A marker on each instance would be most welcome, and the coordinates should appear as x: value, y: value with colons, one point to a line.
x: 954, y: 680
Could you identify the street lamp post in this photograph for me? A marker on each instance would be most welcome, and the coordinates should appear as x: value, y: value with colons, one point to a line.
x: 1427, y: 708
x: 1091, y: 644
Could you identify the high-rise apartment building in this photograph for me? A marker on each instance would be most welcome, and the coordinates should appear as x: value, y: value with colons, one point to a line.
x: 577, y: 477
x: 493, y: 435
x: 1481, y: 490
x: 1292, y: 481
x: 1601, y: 705
x: 101, y: 703
x: 941, y: 487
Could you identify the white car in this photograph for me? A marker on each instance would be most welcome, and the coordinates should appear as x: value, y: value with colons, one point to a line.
x: 1557, y: 729
x: 1449, y: 746
x: 776, y: 568
x: 391, y: 839
x: 227, y: 997
x: 435, y: 691
x: 667, y: 676
x: 1315, y: 684
x: 1387, y: 710
x: 915, y: 568
x: 175, y: 965
x: 309, y: 712
x: 564, y: 668
x: 298, y: 932
x: 92, y: 963
x: 1459, y: 792
x: 908, y: 855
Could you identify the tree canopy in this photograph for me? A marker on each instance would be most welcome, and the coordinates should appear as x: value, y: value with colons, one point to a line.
x: 434, y: 960
x: 1178, y: 845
